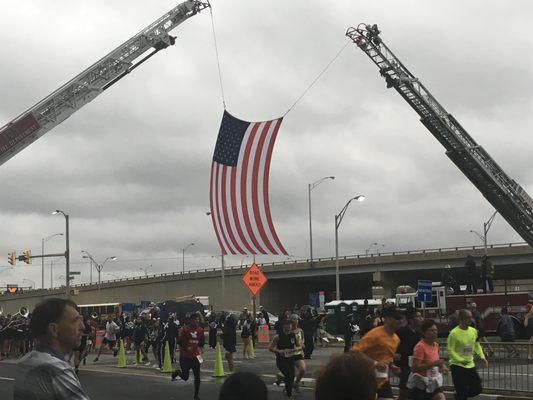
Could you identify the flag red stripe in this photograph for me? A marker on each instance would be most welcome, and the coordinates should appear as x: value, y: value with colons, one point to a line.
x: 223, y: 234
x: 225, y: 208
x: 255, y: 183
x: 244, y: 200
x: 233, y: 193
x: 213, y: 219
x: 265, y: 186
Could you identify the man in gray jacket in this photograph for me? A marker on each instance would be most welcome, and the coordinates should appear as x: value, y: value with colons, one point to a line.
x: 43, y: 374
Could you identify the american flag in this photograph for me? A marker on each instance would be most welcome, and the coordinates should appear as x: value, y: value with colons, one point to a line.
x: 240, y: 210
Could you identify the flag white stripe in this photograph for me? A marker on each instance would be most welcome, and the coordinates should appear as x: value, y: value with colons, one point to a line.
x: 249, y: 187
x: 214, y: 206
x: 231, y: 217
x: 261, y: 194
x: 240, y: 172
x: 225, y: 235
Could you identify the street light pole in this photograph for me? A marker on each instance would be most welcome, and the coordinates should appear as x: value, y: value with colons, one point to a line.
x: 222, y: 275
x: 310, y: 187
x: 42, y: 264
x: 486, y: 227
x: 30, y: 281
x: 43, y: 241
x: 67, y: 252
x: 373, y: 244
x: 338, y: 220
x: 183, y: 256
x: 99, y: 267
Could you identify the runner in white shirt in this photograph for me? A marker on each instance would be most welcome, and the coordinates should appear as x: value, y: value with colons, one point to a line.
x: 110, y: 338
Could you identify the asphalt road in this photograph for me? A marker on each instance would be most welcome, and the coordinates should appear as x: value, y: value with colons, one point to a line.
x: 103, y: 380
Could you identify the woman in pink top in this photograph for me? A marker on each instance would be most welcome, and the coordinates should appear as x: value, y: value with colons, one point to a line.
x: 426, y: 363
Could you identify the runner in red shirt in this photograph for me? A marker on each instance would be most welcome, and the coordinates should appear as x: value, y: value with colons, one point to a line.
x: 191, y: 341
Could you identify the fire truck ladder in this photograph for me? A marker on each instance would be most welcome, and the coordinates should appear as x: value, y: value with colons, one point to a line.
x: 505, y: 195
x: 61, y: 104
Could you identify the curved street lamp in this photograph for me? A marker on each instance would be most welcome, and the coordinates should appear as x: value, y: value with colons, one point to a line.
x: 145, y: 270
x: 30, y: 281
x: 373, y: 244
x: 338, y: 220
x: 486, y: 227
x: 310, y: 187
x: 99, y: 267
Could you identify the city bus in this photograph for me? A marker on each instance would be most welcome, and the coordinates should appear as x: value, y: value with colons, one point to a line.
x: 102, y: 310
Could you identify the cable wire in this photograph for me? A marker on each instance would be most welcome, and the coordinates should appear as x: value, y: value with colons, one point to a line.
x: 318, y: 77
x: 218, y: 58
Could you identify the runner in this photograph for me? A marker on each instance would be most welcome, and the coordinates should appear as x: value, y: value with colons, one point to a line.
x: 380, y: 345
x: 110, y: 338
x: 409, y: 336
x: 80, y: 353
x: 229, y: 339
x: 156, y: 341
x: 426, y: 379
x: 246, y: 336
x: 478, y: 324
x: 171, y: 329
x: 284, y: 345
x: 462, y: 343
x: 140, y: 338
x: 298, y: 358
x: 350, y: 329
x: 191, y: 341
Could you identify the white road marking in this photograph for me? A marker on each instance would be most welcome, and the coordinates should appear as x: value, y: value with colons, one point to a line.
x: 6, y: 378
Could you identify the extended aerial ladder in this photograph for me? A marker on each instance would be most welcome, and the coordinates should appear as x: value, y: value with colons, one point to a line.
x: 505, y: 195
x: 69, y: 98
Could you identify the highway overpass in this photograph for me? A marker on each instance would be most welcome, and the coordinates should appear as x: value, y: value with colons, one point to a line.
x: 291, y: 282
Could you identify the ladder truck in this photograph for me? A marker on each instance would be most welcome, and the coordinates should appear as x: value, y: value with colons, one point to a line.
x: 505, y: 194
x: 69, y: 98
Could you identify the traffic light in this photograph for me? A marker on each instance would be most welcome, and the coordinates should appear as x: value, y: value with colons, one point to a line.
x: 11, y: 257
x: 27, y: 256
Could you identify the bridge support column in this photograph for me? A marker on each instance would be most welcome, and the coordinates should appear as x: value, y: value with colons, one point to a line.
x: 381, y: 279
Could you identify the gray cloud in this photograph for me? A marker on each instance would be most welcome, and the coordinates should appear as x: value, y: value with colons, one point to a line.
x: 132, y: 168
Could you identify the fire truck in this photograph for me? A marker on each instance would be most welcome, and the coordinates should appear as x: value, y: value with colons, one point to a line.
x: 443, y: 305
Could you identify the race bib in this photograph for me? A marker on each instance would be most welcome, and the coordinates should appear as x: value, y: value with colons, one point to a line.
x: 383, y: 373
x: 433, y: 372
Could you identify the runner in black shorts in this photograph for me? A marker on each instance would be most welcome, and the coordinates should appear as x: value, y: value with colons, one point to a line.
x: 80, y: 353
x: 409, y: 336
x: 284, y: 345
x: 478, y: 324
x: 229, y: 339
x: 299, y: 362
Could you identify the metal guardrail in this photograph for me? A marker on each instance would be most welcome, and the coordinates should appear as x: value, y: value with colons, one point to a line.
x: 510, y: 367
x: 297, y: 261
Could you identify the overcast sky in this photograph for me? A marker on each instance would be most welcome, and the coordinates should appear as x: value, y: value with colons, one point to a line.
x: 132, y: 167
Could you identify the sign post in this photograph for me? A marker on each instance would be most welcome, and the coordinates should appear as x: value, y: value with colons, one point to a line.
x: 424, y: 294
x: 254, y: 279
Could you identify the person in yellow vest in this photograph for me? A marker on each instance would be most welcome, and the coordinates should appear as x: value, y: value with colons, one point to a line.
x: 461, y: 345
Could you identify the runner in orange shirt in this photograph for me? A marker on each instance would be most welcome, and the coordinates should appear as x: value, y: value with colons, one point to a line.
x: 380, y: 345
